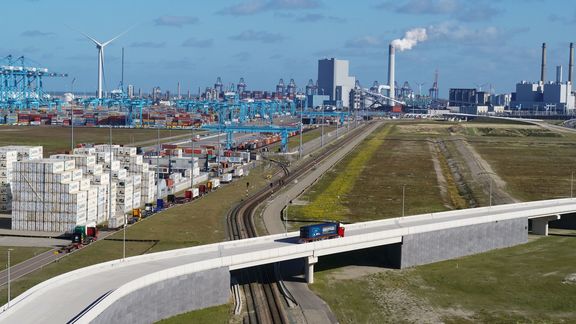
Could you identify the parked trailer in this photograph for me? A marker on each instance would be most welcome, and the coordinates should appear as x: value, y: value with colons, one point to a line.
x: 322, y: 231
x: 226, y: 178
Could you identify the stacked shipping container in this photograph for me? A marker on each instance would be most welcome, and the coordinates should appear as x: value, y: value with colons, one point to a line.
x: 9, y: 155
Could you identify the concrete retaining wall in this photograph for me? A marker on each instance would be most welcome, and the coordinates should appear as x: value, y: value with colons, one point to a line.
x: 170, y: 297
x: 429, y: 247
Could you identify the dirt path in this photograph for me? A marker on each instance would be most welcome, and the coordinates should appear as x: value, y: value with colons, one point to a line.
x: 442, y: 184
x: 482, y: 172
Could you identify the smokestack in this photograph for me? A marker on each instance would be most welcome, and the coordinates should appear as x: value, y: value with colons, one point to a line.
x: 543, y: 68
x: 571, y: 62
x: 559, y: 74
x: 391, y: 68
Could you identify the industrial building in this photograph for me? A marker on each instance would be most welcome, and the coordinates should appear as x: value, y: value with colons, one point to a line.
x: 546, y: 97
x: 335, y: 82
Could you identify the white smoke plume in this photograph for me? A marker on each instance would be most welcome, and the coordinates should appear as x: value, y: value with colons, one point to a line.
x: 411, y: 38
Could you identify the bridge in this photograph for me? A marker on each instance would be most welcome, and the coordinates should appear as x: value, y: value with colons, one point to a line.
x: 150, y: 287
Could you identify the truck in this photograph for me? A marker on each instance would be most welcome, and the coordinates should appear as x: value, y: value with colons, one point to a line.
x: 321, y: 231
x: 226, y: 178
x: 136, y: 216
x: 84, y: 235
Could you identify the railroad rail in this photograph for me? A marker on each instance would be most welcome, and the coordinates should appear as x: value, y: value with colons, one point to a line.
x: 264, y: 302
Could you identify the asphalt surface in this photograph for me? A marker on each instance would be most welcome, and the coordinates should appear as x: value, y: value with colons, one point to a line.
x: 313, y: 308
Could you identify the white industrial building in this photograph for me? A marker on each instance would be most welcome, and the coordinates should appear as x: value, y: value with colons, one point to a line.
x: 546, y: 97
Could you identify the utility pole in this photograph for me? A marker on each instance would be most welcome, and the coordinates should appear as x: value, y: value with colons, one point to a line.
x: 192, y: 157
x: 158, y: 165
x: 72, y: 115
x: 572, y: 184
x: 301, y: 149
x: 403, y: 198
x: 322, y: 137
x: 110, y: 175
x: 8, y: 304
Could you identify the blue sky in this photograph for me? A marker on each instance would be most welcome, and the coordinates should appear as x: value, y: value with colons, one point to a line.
x: 470, y: 42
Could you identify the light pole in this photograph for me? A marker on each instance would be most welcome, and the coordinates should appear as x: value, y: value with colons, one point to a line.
x: 8, y: 304
x: 322, y: 126
x: 110, y: 174
x: 192, y: 157
x: 158, y: 166
x: 571, y: 184
x: 301, y: 149
x: 286, y: 218
x: 72, y: 115
x: 124, y: 239
x: 403, y: 198
x: 489, y: 174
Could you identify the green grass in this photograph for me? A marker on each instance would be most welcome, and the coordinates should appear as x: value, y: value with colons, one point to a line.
x: 533, y: 169
x: 211, y: 315
x: 57, y: 139
x: 522, y: 284
x: 18, y: 254
x: 367, y: 184
x: 200, y: 222
x: 330, y: 201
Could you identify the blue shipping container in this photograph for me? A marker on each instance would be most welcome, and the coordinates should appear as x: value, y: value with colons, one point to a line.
x: 318, y: 231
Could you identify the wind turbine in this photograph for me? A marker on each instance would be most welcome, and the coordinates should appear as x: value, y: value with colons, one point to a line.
x: 100, y: 47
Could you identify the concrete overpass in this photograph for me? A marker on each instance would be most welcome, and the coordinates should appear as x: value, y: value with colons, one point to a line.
x: 151, y: 287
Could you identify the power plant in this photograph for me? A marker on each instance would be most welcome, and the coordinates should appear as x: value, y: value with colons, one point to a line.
x: 546, y: 97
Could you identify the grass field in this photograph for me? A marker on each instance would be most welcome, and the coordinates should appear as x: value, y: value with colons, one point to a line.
x: 368, y: 183
x: 18, y: 254
x: 57, y: 139
x: 200, y: 222
x: 212, y: 315
x: 522, y: 284
x: 533, y: 169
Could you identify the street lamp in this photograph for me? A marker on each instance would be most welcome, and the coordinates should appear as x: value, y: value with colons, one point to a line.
x: 301, y: 149
x: 192, y: 157
x: 72, y: 115
x: 9, y: 250
x: 403, y: 198
x: 286, y: 217
x: 322, y: 126
x: 571, y: 184
x: 488, y: 173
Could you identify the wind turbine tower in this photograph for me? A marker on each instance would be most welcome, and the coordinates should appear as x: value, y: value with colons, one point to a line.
x: 100, y: 47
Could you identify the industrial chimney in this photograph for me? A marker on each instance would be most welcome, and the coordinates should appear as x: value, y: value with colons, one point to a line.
x: 559, y: 74
x: 391, y: 68
x: 543, y: 67
x: 571, y: 62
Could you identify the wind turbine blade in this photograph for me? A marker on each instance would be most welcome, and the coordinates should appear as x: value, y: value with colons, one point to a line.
x: 87, y: 36
x: 118, y: 36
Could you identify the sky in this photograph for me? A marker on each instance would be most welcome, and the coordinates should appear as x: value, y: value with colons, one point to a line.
x: 471, y: 43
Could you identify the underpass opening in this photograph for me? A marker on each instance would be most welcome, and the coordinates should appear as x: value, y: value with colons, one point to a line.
x: 386, y: 256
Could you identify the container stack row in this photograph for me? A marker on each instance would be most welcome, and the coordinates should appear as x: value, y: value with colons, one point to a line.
x: 87, y: 166
x: 50, y: 195
x: 9, y: 155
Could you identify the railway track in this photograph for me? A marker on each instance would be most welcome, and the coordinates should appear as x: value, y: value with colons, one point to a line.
x: 263, y: 301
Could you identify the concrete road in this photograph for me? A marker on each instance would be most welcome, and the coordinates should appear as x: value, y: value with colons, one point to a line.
x: 59, y: 300
x: 313, y: 308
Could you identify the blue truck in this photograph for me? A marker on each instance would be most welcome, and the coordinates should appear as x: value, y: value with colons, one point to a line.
x: 322, y: 231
